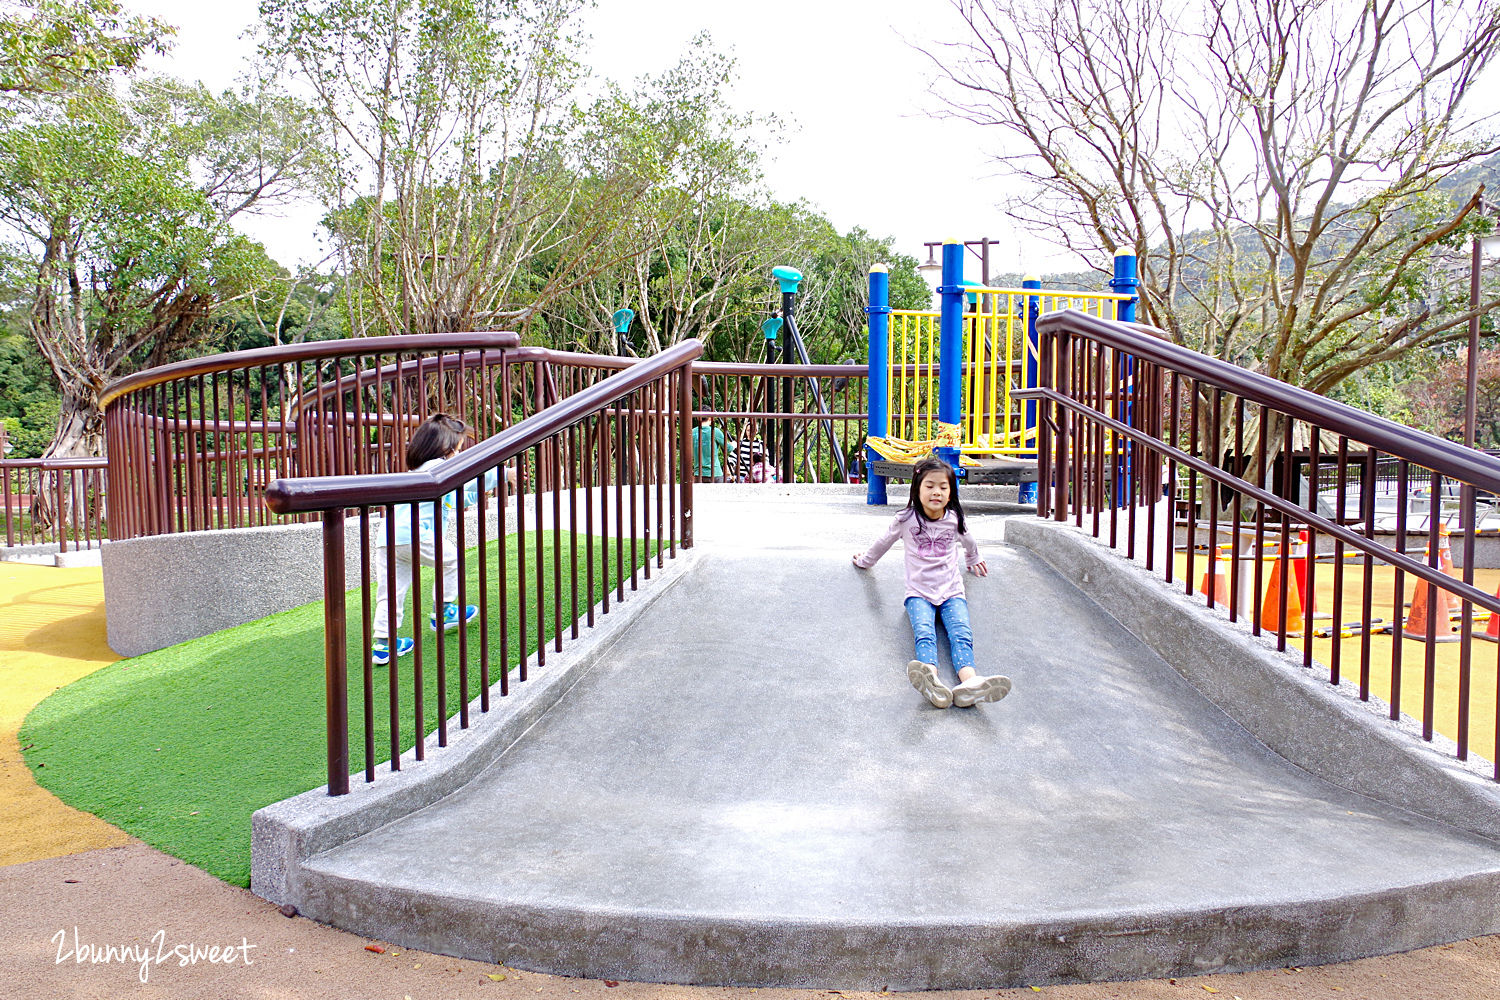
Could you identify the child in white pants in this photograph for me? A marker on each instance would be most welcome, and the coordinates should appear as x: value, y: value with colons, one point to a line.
x: 438, y: 437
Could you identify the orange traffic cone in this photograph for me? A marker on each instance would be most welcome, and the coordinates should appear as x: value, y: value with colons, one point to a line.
x: 1270, y: 605
x: 1221, y: 576
x: 1428, y: 599
x: 1300, y: 555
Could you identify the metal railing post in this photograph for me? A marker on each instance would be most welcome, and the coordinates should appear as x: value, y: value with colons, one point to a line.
x: 335, y: 653
x: 685, y: 451
x: 789, y: 278
x: 622, y: 320
x: 1124, y: 283
x: 769, y: 329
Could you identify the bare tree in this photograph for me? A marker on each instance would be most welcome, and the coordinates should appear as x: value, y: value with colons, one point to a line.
x: 1283, y: 169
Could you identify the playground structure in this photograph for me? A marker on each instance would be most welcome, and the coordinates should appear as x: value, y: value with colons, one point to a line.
x: 956, y: 377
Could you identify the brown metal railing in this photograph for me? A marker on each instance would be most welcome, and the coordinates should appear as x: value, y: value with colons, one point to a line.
x: 1133, y: 422
x: 601, y: 471
x: 53, y: 501
x: 192, y: 445
x: 746, y: 402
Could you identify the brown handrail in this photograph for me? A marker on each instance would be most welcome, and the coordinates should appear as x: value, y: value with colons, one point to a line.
x: 300, y: 403
x: 554, y: 434
x: 1130, y: 419
x: 1453, y: 460
x: 55, y: 462
x: 1280, y: 504
x: 319, y: 493
x: 71, y: 478
x: 283, y: 353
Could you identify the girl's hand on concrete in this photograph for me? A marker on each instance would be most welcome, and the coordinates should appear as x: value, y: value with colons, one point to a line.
x: 980, y: 569
x: 856, y: 560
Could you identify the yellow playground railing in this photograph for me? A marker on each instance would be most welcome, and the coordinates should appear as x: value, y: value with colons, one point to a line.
x: 998, y: 358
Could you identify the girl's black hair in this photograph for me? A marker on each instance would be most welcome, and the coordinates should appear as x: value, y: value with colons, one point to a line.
x: 434, y: 438
x: 914, y: 502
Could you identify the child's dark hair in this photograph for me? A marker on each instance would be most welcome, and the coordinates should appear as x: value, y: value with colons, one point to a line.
x: 434, y: 438
x: 914, y: 502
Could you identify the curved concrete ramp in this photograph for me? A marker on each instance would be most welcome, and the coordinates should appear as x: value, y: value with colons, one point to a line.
x: 750, y: 793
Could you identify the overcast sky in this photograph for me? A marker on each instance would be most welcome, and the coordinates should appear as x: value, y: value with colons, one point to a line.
x: 866, y: 150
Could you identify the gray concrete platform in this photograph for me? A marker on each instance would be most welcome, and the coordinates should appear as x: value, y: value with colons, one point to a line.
x: 748, y: 792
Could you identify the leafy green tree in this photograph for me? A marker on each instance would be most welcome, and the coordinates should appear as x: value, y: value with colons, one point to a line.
x: 831, y: 313
x: 56, y: 46
x: 476, y: 188
x: 117, y: 213
x: 28, y: 401
x: 445, y: 115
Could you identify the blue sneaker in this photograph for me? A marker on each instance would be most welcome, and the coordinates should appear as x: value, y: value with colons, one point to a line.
x: 380, y: 650
x: 451, y: 617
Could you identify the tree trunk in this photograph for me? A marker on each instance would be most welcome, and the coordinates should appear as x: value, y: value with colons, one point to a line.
x: 80, y: 423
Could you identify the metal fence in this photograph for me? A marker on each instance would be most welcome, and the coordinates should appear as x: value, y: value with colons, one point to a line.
x: 192, y: 446
x: 1130, y: 421
x: 603, y: 469
x: 53, y: 501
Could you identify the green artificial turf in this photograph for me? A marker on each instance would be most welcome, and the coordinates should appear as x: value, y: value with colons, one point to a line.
x: 178, y: 747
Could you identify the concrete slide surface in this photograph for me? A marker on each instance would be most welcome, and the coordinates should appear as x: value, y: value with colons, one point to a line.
x: 749, y: 792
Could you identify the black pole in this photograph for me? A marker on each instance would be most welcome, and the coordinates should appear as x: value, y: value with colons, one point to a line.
x: 788, y: 304
x: 770, y: 401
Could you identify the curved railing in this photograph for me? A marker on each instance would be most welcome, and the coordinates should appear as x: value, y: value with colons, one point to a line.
x: 192, y: 445
x: 610, y: 472
x: 1133, y: 422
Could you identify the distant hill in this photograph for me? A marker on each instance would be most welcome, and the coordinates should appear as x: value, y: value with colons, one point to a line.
x: 1079, y: 281
x: 1460, y: 186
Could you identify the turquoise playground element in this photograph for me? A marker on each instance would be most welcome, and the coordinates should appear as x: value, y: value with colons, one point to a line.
x: 789, y: 277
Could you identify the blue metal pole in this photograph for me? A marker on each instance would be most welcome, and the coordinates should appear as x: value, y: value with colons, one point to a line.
x: 1026, y: 491
x: 879, y: 312
x: 951, y: 344
x: 1124, y: 283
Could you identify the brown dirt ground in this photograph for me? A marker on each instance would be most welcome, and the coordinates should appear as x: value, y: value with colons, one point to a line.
x: 62, y: 910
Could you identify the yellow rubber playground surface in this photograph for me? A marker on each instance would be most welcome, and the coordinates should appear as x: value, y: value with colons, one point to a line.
x: 51, y: 634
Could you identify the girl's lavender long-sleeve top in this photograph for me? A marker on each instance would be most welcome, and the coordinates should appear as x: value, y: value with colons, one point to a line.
x: 934, y: 570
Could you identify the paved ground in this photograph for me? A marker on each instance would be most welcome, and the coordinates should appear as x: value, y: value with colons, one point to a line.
x: 124, y: 896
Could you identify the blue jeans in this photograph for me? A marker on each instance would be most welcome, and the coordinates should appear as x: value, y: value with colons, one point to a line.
x: 955, y: 615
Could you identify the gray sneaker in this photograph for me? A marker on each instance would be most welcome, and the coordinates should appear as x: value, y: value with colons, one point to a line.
x: 924, y: 678
x: 977, y: 689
